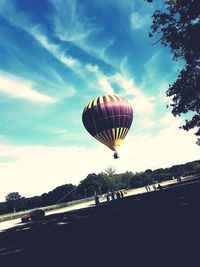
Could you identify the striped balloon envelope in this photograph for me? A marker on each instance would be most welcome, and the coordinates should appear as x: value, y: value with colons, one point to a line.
x: 108, y: 118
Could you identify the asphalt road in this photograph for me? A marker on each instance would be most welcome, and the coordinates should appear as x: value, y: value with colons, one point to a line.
x: 156, y: 228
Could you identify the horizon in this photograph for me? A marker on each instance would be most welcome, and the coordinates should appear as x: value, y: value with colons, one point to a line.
x: 56, y: 57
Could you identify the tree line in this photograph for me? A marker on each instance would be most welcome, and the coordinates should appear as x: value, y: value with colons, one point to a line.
x: 99, y: 183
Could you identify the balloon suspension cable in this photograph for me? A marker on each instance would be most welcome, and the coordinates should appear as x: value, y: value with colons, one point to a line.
x: 67, y: 194
x: 144, y: 163
x: 116, y: 156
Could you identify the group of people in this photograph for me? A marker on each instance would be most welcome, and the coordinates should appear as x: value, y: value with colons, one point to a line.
x: 110, y: 196
x: 114, y: 195
x: 155, y: 186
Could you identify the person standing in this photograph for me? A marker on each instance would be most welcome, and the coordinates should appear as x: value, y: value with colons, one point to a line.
x: 96, y: 200
x: 107, y: 197
x: 118, y: 195
x: 113, y: 195
x: 122, y: 194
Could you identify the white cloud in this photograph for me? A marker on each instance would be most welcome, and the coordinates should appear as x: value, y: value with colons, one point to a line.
x: 163, y: 98
x: 127, y: 84
x: 39, y: 169
x: 139, y: 21
x: 141, y: 102
x: 146, y: 123
x: 83, y: 70
x: 68, y: 60
x: 169, y: 120
x: 92, y: 68
x: 164, y: 149
x: 151, y: 68
x: 69, y: 25
x: 105, y: 85
x: 16, y: 88
x: 54, y: 49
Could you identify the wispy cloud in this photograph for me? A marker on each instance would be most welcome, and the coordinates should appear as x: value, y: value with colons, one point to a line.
x: 15, y: 88
x: 105, y: 85
x: 70, y: 25
x: 55, y: 50
x: 139, y: 21
x: 142, y: 103
x: 86, y: 71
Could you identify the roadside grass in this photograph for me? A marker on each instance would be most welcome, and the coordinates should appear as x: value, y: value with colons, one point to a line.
x: 15, y: 215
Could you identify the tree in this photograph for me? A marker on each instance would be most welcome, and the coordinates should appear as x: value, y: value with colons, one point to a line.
x: 126, y: 177
x: 14, y: 196
x: 13, y: 200
x: 179, y: 29
x: 110, y: 171
x: 93, y: 183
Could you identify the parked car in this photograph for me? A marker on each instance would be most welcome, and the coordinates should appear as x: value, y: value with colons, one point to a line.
x: 33, y: 215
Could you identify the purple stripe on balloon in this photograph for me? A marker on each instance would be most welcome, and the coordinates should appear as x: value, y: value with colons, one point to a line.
x: 107, y: 115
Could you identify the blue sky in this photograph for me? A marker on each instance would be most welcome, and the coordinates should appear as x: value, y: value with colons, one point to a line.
x: 56, y: 56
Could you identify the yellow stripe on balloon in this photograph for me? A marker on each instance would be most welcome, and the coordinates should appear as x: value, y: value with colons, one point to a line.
x: 95, y: 102
x: 113, y: 133
x: 117, y: 133
x: 101, y: 99
x: 121, y: 99
x: 114, y: 98
x: 90, y: 104
x: 107, y: 98
x: 125, y: 132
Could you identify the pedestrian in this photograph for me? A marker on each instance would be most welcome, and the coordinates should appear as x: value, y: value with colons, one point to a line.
x: 154, y: 185
x: 96, y: 200
x: 160, y: 187
x: 122, y: 195
x: 113, y: 195
x: 107, y: 197
x: 147, y: 188
x: 118, y: 195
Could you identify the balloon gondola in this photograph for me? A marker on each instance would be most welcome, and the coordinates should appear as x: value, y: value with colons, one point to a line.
x: 108, y: 119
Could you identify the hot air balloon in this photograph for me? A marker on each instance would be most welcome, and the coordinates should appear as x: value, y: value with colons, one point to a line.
x: 108, y: 119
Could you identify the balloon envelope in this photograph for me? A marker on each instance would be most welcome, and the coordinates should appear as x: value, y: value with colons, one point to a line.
x: 108, y: 119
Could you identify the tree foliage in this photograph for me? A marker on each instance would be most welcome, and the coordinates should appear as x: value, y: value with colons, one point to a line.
x: 110, y: 171
x: 12, y: 197
x: 14, y: 201
x: 178, y: 27
x: 94, y: 183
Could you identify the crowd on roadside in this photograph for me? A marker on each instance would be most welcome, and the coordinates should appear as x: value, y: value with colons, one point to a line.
x: 111, y: 195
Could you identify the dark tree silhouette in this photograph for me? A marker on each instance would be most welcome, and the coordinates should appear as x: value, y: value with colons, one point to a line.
x: 14, y: 196
x: 110, y: 171
x: 178, y: 27
x: 13, y: 199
